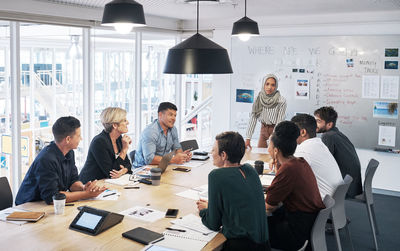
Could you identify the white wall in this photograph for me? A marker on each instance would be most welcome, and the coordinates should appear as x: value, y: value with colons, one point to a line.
x: 388, y: 171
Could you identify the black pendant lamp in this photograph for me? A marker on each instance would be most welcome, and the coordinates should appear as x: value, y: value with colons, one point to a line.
x: 197, y: 55
x: 123, y: 15
x: 245, y: 27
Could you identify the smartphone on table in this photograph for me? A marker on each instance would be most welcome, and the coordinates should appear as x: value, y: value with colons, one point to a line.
x: 171, y: 213
x: 181, y: 169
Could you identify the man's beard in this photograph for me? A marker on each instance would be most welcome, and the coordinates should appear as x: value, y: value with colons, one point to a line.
x: 321, y: 130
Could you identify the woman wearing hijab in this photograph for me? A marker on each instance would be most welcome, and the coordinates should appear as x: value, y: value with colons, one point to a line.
x: 269, y: 108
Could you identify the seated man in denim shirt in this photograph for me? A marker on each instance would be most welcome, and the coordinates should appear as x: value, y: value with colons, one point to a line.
x: 160, y: 138
x: 54, y: 171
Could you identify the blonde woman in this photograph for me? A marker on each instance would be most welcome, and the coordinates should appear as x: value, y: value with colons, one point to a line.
x: 107, y: 156
x: 269, y: 108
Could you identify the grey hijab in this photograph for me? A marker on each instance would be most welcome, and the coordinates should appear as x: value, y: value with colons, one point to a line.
x: 266, y: 100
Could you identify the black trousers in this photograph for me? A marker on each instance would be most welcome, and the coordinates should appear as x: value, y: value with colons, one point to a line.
x: 241, y: 244
x: 289, y: 230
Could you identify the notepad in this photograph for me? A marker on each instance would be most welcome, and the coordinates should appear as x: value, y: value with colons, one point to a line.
x: 143, y: 235
x: 25, y: 216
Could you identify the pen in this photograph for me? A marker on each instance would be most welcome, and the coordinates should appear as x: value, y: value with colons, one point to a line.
x: 131, y: 187
x: 174, y: 229
x: 69, y: 204
x: 108, y: 194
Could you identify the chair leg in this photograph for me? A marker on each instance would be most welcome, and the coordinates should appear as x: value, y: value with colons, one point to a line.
x: 337, y: 237
x: 371, y: 221
x: 348, y: 236
x: 374, y: 217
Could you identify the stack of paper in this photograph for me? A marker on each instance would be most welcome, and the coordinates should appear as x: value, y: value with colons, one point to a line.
x: 194, y: 223
x: 196, y: 193
x: 143, y: 213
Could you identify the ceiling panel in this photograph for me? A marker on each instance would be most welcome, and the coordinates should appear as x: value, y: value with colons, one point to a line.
x: 233, y: 9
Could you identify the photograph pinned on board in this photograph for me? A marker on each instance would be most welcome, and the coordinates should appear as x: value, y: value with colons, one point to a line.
x: 302, y: 89
x: 391, y: 65
x: 387, y: 136
x: 384, y: 109
x: 350, y: 62
x: 391, y: 52
x: 244, y: 96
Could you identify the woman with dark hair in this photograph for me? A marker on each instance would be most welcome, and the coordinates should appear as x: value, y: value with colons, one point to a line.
x: 269, y: 108
x: 295, y: 186
x: 236, y: 201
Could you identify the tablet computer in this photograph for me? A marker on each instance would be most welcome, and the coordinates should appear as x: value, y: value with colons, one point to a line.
x: 94, y: 221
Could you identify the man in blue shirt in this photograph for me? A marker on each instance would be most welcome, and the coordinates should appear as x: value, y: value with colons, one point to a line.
x: 159, y: 138
x: 54, y: 171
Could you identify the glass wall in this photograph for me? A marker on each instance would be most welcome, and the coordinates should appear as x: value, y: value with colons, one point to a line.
x: 51, y: 84
x: 156, y: 86
x: 114, y: 75
x: 51, y: 66
x: 196, y: 104
x: 5, y: 102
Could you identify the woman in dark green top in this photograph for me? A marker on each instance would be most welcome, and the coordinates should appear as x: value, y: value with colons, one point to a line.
x: 236, y: 199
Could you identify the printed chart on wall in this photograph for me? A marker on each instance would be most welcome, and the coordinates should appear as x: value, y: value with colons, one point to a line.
x: 357, y: 75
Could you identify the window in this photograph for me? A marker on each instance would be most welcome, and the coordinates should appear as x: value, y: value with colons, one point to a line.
x: 196, y: 102
x: 5, y: 102
x: 114, y: 75
x: 156, y: 86
x: 51, y: 84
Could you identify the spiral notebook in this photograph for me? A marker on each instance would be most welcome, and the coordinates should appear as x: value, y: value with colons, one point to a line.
x: 185, y: 241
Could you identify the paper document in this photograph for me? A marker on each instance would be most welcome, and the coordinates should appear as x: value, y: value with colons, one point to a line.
x: 124, y: 180
x: 195, y: 193
x: 185, y: 241
x: 6, y: 212
x: 192, y: 222
x: 266, y: 180
x: 108, y: 195
x: 191, y: 163
x: 143, y: 213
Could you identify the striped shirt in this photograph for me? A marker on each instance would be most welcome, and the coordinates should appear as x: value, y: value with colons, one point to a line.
x: 269, y: 116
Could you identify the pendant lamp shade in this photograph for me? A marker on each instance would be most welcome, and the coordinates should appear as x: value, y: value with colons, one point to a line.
x: 197, y: 55
x: 245, y: 27
x: 123, y: 15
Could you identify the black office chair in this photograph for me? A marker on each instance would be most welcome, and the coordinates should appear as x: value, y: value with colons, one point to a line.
x: 6, y: 198
x: 189, y: 144
x: 132, y: 156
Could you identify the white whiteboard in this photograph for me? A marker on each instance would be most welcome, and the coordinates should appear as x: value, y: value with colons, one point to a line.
x: 331, y: 77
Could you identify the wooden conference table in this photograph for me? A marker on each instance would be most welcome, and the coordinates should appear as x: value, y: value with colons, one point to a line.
x: 52, y: 232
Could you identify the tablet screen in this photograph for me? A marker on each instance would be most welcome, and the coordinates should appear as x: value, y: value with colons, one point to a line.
x: 88, y: 220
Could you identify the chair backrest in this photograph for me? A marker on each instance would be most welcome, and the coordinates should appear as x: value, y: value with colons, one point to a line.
x: 369, y: 174
x: 318, y: 241
x: 189, y: 144
x: 6, y: 198
x: 132, y: 156
x: 338, y: 211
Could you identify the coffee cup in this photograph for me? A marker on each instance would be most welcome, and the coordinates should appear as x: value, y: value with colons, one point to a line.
x: 259, y: 166
x: 59, y: 203
x: 155, y: 176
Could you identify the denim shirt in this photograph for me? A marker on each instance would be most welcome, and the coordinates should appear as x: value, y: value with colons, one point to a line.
x: 154, y: 142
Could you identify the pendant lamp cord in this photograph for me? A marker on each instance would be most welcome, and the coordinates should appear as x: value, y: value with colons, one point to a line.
x: 245, y: 7
x: 197, y: 16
